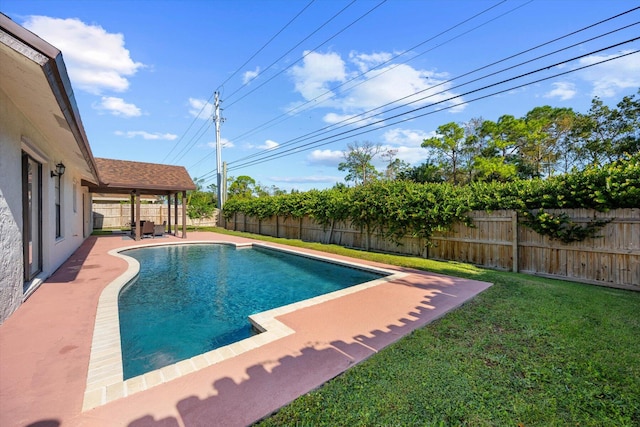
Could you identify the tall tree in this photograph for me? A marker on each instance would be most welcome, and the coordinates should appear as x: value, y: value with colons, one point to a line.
x: 474, y: 145
x: 358, y: 162
x: 395, y: 166
x: 546, y: 128
x: 504, y: 139
x: 606, y: 134
x: 426, y: 172
x: 242, y: 186
x: 448, y: 145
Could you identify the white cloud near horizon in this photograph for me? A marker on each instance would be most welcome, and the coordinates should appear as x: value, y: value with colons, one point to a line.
x: 609, y: 78
x: 311, y: 179
x: 96, y: 59
x: 147, y: 135
x: 325, y: 157
x: 117, y: 107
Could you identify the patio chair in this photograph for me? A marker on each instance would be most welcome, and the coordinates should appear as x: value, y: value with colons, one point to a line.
x: 148, y: 228
x: 158, y: 230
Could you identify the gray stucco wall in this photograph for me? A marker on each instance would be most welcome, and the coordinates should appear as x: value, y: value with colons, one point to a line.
x: 10, y: 209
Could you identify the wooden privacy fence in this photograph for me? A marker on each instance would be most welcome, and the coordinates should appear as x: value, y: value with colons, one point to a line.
x: 116, y: 215
x: 497, y: 240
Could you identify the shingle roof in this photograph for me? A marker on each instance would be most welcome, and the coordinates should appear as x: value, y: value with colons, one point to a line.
x: 149, y: 178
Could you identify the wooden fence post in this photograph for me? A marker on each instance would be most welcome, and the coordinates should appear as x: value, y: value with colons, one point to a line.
x: 514, y: 248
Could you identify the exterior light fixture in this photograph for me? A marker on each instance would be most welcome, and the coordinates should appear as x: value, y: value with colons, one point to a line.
x: 60, y: 167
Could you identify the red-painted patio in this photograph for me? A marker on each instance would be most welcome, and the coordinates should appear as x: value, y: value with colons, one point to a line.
x: 46, y: 344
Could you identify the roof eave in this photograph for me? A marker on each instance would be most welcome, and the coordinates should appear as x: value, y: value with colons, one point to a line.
x: 56, y: 74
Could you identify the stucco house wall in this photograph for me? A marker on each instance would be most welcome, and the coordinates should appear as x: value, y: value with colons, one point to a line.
x: 10, y: 212
x: 18, y: 135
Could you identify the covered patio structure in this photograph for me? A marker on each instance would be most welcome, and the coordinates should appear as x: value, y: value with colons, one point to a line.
x: 138, y: 178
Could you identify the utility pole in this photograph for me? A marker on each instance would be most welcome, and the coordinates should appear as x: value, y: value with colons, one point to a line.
x: 218, y: 120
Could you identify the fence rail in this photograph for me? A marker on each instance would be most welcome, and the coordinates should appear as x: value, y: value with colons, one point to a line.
x: 497, y: 240
x: 116, y: 215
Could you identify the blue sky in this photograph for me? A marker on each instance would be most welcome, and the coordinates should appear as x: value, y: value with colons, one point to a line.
x: 305, y: 76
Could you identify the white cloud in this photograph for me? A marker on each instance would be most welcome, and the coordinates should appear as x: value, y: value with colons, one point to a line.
x: 250, y: 75
x: 611, y: 77
x: 96, y: 59
x: 562, y: 90
x: 378, y: 87
x: 345, y: 119
x: 367, y: 61
x: 200, y: 108
x: 312, y: 77
x: 311, y: 179
x: 269, y: 145
x: 147, y: 135
x: 413, y: 155
x: 406, y: 137
x: 390, y: 83
x: 224, y: 142
x: 118, y: 107
x: 325, y: 157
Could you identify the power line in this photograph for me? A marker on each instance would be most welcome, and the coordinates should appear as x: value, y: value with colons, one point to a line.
x: 367, y: 116
x: 309, y: 52
x: 287, y: 113
x: 348, y: 121
x: 265, y: 45
x: 277, y: 60
x: 208, y: 102
x: 379, y: 124
x: 389, y: 60
x: 289, y: 51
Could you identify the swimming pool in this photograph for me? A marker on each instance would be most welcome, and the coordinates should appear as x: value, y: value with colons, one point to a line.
x: 190, y: 299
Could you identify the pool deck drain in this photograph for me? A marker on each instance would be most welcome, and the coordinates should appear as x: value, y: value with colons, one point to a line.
x: 60, y: 361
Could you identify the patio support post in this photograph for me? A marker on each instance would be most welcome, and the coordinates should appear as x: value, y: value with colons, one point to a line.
x: 132, y: 210
x: 175, y: 212
x: 169, y: 212
x: 184, y: 214
x: 138, y: 230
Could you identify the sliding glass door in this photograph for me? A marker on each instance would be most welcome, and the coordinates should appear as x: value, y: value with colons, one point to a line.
x: 31, y: 216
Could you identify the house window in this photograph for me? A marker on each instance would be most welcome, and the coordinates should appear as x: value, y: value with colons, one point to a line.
x: 58, y: 190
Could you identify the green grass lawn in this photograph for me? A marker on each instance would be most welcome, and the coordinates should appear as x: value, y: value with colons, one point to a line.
x: 528, y: 351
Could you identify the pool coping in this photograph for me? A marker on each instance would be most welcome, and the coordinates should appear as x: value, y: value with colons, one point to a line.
x: 105, y: 380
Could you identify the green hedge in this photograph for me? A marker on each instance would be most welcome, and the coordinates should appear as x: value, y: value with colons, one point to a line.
x: 401, y: 208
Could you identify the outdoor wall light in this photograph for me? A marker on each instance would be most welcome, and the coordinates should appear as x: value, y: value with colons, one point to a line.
x: 60, y: 167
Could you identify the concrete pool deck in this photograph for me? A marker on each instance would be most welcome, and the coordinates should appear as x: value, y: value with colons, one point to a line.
x: 45, y: 347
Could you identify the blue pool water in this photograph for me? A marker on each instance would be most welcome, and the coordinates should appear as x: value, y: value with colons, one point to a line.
x: 190, y: 299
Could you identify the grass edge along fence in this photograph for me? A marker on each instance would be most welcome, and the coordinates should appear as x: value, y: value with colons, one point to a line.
x: 498, y: 240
